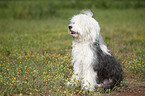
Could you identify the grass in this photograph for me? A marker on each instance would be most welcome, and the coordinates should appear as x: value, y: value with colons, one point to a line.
x: 35, y: 54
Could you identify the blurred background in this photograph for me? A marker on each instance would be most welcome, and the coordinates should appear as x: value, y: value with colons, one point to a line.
x: 49, y: 8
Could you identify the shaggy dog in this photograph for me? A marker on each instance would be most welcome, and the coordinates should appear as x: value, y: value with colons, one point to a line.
x: 94, y: 66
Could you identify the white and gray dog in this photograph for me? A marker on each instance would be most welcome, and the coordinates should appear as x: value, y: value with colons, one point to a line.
x: 93, y: 64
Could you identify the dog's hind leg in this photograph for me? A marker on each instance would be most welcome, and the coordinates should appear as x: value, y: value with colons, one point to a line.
x: 107, y: 84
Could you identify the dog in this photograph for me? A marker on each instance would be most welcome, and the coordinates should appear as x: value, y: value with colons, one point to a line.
x: 93, y: 64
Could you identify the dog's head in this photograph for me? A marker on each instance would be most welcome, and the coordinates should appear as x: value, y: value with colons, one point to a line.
x: 84, y: 27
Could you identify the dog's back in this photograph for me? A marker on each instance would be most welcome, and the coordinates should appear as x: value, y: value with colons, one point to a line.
x: 109, y: 70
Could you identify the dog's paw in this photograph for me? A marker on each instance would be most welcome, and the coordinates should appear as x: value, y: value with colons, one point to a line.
x: 68, y: 84
x: 88, y: 87
x: 71, y: 84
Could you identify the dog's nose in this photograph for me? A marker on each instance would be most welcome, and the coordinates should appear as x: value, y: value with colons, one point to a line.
x: 69, y: 27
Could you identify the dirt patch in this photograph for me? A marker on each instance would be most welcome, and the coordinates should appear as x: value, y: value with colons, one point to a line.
x: 130, y: 89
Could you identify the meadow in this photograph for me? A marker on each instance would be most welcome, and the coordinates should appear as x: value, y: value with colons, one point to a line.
x: 35, y: 47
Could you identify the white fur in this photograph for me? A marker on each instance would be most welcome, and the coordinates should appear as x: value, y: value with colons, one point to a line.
x: 87, y: 31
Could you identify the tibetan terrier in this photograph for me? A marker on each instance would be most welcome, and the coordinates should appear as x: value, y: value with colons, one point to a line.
x: 93, y: 64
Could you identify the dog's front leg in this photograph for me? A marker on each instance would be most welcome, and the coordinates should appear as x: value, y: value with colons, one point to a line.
x: 76, y: 77
x: 89, y: 78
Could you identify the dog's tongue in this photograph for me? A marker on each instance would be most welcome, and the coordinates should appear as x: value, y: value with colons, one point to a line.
x: 70, y: 32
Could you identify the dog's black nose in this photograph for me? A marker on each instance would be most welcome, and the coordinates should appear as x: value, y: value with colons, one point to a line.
x: 69, y: 27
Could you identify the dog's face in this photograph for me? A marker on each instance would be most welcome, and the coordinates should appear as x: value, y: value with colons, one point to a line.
x: 84, y: 27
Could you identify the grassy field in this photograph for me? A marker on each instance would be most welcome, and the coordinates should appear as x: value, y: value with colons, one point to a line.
x: 35, y: 53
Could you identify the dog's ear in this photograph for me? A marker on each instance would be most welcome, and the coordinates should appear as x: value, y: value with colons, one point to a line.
x: 87, y: 12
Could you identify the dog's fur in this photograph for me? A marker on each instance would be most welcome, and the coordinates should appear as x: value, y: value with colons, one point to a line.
x: 94, y: 66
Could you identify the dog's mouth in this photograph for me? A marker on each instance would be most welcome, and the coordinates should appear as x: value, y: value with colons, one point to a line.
x: 73, y: 33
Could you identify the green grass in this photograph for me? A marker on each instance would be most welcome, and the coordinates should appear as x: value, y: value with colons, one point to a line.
x: 35, y: 54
